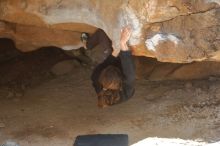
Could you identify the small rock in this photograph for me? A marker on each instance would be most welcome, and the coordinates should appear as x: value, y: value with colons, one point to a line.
x: 10, y: 94
x: 198, y: 90
x: 211, y: 78
x: 10, y: 143
x: 16, y: 99
x: 18, y: 94
x: 202, y: 104
x: 2, y: 125
x: 23, y: 87
x: 186, y: 108
x: 188, y: 85
x: 64, y: 67
x: 190, y: 116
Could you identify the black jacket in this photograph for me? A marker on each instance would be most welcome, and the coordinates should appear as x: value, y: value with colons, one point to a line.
x: 125, y: 63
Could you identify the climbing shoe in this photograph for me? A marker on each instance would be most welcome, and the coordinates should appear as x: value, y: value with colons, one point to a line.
x: 84, y: 37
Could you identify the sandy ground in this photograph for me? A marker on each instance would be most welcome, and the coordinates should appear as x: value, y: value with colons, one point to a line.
x: 56, y: 111
x: 46, y: 110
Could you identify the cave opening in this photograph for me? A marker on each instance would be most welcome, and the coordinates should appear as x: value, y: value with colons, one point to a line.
x: 48, y: 94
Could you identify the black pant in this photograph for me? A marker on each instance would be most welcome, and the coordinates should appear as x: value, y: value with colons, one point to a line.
x: 100, y: 38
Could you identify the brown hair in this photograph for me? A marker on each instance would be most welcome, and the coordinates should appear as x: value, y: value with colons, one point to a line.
x: 111, y: 82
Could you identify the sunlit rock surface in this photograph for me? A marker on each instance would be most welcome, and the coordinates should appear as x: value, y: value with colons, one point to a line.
x: 154, y: 141
x: 168, y: 30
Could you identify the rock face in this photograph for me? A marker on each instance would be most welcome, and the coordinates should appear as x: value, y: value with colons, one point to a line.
x: 168, y: 30
x: 151, y: 69
x: 64, y: 67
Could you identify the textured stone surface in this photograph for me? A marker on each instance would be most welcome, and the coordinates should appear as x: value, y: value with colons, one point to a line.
x: 169, y: 30
x: 150, y: 69
x: 64, y: 67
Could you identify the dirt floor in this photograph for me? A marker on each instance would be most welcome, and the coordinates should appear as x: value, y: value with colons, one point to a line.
x: 38, y: 108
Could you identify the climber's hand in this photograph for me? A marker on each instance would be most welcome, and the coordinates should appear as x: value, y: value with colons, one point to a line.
x: 125, y: 36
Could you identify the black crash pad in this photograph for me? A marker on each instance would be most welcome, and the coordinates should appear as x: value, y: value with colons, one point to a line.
x: 102, y: 140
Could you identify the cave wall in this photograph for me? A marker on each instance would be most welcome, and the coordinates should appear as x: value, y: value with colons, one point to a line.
x: 26, y: 67
x: 168, y: 30
x: 151, y: 69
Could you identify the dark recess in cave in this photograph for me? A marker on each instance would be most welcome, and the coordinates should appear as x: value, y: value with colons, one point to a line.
x: 19, y: 68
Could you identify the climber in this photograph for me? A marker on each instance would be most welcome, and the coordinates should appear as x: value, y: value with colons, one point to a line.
x: 113, y: 79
